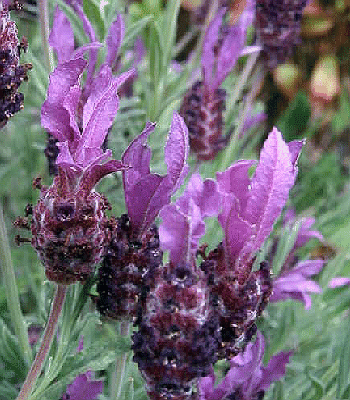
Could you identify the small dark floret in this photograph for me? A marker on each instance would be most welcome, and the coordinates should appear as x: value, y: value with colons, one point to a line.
x: 12, y: 74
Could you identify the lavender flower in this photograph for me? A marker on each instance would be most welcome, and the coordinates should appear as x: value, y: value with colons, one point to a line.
x: 247, y: 378
x: 12, y: 74
x: 249, y: 210
x: 68, y: 223
x: 278, y: 26
x: 204, y: 103
x: 178, y: 333
x: 293, y: 281
x: 134, y: 256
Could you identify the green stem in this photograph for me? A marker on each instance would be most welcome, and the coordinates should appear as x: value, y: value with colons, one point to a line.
x: 49, y: 333
x: 45, y: 31
x: 11, y: 291
x: 120, y: 366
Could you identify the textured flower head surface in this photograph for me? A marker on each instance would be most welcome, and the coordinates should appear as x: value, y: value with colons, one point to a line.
x: 145, y: 192
x: 12, y: 73
x: 252, y: 205
x: 247, y: 377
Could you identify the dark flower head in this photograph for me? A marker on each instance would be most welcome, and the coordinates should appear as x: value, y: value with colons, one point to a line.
x: 178, y: 333
x: 278, y: 26
x: 247, y: 378
x: 133, y: 255
x: 204, y: 103
x: 68, y: 223
x: 12, y: 74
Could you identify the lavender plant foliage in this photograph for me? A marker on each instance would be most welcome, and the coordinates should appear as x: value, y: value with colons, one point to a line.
x: 12, y: 73
x: 247, y: 378
x: 133, y: 255
x: 68, y: 222
x: 204, y: 103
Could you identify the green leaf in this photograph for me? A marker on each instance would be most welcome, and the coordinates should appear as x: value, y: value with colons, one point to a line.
x: 92, y: 11
x: 296, y: 117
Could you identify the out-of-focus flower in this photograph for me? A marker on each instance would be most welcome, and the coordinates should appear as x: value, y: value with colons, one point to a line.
x: 179, y: 334
x: 338, y: 282
x: 133, y: 255
x: 249, y: 210
x: 68, y: 222
x: 278, y: 28
x: 204, y: 103
x: 295, y: 283
x: 247, y: 378
x: 12, y: 73
x: 84, y: 387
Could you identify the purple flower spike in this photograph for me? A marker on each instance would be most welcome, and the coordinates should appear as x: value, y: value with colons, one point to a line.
x: 294, y: 283
x: 147, y: 193
x: 247, y: 378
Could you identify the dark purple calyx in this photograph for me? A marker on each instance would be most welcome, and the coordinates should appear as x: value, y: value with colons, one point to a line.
x: 178, y: 334
x: 128, y: 270
x: 202, y: 110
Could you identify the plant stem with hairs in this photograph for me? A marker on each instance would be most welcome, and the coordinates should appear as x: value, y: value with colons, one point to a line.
x: 49, y: 333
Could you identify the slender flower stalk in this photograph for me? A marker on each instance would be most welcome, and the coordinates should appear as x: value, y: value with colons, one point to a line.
x: 45, y: 345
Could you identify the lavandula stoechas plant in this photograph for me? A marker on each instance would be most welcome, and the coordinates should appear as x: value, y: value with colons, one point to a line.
x: 204, y: 103
x: 198, y: 313
x: 12, y: 74
x: 68, y: 223
x: 133, y: 255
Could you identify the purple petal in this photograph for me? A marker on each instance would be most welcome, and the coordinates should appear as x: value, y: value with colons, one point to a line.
x: 183, y: 223
x: 55, y: 118
x: 275, y: 369
x: 83, y: 388
x: 273, y: 178
x: 229, y: 53
x: 145, y: 193
x: 234, y: 182
x: 176, y: 151
x: 179, y: 232
x: 96, y: 172
x: 62, y: 36
x: 308, y: 267
x: 338, y: 282
x: 209, y: 44
x: 114, y: 39
x: 204, y: 194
